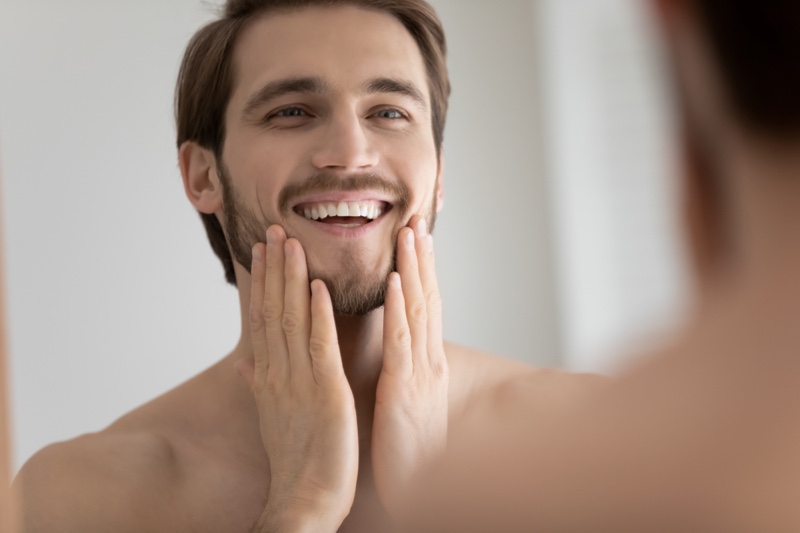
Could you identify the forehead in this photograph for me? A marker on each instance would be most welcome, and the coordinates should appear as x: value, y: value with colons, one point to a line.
x: 344, y: 45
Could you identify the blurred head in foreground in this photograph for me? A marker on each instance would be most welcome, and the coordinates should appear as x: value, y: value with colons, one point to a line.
x: 737, y: 68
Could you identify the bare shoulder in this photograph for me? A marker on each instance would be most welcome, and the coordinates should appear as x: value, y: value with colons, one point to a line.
x: 107, y: 481
x: 490, y: 383
x: 547, y: 389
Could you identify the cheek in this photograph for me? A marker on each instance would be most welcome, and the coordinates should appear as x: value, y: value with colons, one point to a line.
x: 262, y: 170
x: 416, y: 167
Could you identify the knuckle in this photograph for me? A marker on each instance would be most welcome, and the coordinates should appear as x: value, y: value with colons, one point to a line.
x: 418, y: 312
x: 291, y: 322
x: 272, y: 385
x: 434, y: 301
x: 317, y: 347
x: 269, y: 386
x: 402, y: 337
x: 256, y: 318
x: 272, y: 313
x: 440, y: 369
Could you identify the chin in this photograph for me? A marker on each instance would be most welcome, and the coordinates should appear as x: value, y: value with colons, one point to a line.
x: 355, y: 291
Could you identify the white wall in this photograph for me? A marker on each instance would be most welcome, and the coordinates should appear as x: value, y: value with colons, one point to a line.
x: 614, y: 195
x: 493, y: 242
x: 114, y: 293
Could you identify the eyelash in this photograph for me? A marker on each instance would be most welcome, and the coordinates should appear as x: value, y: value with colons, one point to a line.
x: 279, y: 113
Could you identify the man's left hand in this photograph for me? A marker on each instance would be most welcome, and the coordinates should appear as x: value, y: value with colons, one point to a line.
x: 410, y: 424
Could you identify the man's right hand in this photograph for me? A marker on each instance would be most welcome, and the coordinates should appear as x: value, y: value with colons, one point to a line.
x: 306, y: 407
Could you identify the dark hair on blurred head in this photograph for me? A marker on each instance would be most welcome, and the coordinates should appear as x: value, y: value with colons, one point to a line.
x: 206, y: 77
x: 757, y: 45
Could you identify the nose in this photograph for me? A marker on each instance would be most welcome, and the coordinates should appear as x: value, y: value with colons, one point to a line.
x: 345, y: 146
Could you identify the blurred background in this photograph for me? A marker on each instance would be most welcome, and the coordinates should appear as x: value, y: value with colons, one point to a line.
x: 559, y: 242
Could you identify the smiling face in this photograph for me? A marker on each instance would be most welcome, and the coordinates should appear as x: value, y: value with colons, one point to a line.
x: 329, y: 135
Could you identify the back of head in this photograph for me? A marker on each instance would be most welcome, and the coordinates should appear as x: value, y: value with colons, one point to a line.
x: 739, y: 70
x: 757, y: 46
x: 207, y: 76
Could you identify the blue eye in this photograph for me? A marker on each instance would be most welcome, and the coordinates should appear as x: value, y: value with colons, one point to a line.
x: 390, y: 114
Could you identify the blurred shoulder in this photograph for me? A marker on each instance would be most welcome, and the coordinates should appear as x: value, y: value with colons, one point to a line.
x: 107, y: 481
x: 548, y: 388
x: 497, y: 383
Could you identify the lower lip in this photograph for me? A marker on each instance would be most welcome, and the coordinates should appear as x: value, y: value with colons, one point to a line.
x: 354, y: 232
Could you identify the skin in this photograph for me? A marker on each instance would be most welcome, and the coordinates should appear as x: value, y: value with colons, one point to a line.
x: 315, y: 420
x: 7, y: 508
x: 702, y: 436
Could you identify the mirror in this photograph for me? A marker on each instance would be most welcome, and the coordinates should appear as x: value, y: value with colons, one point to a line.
x: 115, y: 296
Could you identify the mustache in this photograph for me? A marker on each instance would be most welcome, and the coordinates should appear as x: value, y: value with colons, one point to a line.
x: 328, y: 182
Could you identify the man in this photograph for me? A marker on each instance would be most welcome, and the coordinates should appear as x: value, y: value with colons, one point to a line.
x: 704, y: 436
x: 309, y: 139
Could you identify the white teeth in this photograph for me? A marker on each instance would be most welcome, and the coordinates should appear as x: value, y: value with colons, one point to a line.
x: 370, y: 210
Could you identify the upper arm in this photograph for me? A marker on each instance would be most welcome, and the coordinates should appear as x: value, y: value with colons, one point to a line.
x: 90, y: 484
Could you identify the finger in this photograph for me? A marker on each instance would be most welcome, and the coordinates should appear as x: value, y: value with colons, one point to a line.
x: 297, y: 309
x: 430, y: 288
x: 397, y: 357
x: 272, y: 307
x: 323, y: 346
x: 258, y: 338
x: 416, y: 310
x: 246, y: 368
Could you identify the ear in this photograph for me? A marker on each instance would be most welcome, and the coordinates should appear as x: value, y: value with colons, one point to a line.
x: 200, y: 180
x: 440, y: 184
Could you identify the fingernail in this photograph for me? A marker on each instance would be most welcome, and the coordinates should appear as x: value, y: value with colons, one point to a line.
x: 409, y: 238
x: 257, y: 257
x: 394, y: 279
x: 270, y: 237
x: 287, y: 249
x: 421, y: 227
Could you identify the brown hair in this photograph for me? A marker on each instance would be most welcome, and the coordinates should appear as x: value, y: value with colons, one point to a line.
x: 205, y: 80
x: 757, y: 46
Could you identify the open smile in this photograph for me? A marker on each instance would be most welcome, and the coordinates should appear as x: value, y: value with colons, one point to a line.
x: 337, y: 212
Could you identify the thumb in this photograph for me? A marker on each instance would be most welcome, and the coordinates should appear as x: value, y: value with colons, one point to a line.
x: 247, y: 369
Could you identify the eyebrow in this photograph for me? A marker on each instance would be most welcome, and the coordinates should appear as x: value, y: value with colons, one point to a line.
x: 278, y: 88
x: 390, y: 85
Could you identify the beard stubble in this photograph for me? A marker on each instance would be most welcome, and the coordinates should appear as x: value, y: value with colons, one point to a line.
x: 355, y: 289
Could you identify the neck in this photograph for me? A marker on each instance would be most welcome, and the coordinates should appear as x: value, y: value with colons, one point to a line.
x: 764, y: 180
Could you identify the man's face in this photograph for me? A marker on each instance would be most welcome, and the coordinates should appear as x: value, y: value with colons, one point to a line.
x: 329, y: 135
